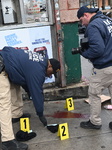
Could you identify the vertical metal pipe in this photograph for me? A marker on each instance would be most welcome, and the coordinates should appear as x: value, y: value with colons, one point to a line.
x: 110, y: 3
x: 60, y: 42
x: 22, y: 11
x: 103, y: 4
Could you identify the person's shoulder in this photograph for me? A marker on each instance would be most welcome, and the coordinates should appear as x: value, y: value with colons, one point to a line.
x: 97, y: 21
x: 8, y: 47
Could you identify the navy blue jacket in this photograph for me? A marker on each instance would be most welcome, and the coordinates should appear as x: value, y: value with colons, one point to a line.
x: 28, y: 70
x: 99, y: 33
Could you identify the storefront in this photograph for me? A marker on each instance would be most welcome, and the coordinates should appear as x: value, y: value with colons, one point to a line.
x: 26, y: 24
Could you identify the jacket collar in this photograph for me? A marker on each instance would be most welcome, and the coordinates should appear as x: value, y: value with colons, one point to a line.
x: 97, y: 15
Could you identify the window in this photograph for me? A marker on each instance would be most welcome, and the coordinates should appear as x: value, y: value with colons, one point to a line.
x: 24, y: 12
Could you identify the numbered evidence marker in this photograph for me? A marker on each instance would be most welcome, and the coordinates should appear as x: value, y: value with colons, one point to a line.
x: 63, y: 131
x: 25, y: 124
x: 69, y: 104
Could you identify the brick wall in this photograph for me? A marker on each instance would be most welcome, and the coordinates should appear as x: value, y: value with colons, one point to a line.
x: 68, y: 10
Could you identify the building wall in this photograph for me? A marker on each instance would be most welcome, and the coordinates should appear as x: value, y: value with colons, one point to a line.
x: 94, y: 2
x: 68, y: 10
x: 101, y: 2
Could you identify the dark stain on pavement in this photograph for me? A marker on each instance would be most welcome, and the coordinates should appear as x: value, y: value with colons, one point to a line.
x: 60, y: 114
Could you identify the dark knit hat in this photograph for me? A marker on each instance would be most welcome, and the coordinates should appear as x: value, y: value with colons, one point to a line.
x: 55, y: 65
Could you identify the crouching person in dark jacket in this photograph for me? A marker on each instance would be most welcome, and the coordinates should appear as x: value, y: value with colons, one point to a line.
x: 27, y: 69
x: 99, y: 52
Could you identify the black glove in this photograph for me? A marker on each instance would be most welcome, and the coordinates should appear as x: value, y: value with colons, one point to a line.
x: 24, y: 136
x: 43, y: 120
x: 53, y: 128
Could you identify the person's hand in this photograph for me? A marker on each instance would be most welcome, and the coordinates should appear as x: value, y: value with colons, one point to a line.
x: 43, y: 120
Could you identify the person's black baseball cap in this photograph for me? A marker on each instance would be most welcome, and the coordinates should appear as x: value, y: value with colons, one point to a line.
x: 86, y: 9
x: 55, y: 65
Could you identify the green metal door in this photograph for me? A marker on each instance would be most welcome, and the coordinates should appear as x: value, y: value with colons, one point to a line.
x: 72, y: 62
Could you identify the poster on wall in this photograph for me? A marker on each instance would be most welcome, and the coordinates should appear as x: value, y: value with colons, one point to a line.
x: 15, y: 38
x: 42, y: 37
x: 36, y: 10
x: 28, y: 38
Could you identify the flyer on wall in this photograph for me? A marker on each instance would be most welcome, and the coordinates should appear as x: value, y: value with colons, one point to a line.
x: 29, y: 38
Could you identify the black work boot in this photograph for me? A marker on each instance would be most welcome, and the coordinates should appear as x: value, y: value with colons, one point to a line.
x: 14, y: 145
x: 89, y: 125
x: 110, y: 125
x: 25, y: 115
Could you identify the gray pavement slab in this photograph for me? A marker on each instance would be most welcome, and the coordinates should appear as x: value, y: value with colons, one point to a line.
x: 80, y: 139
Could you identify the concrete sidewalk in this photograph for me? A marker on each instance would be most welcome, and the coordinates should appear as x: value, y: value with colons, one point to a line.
x: 80, y: 139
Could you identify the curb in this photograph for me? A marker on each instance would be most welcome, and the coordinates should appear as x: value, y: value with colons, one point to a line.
x: 79, y: 90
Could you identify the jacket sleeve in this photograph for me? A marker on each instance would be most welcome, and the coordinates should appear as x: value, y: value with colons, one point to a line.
x: 26, y: 90
x: 96, y: 43
x: 36, y: 91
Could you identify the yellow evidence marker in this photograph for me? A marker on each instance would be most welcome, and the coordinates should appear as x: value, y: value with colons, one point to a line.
x: 63, y: 131
x: 69, y: 104
x: 25, y: 124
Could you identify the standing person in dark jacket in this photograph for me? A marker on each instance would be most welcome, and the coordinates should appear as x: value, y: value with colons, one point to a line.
x: 99, y: 52
x: 27, y: 69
